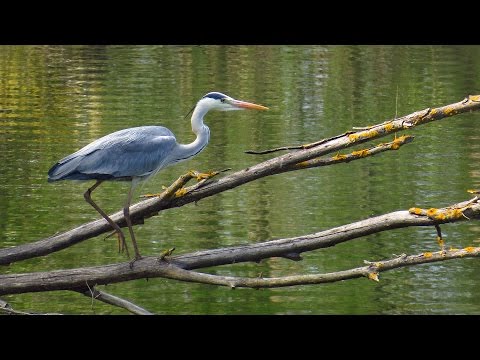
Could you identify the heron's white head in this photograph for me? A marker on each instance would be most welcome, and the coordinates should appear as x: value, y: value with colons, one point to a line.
x: 222, y: 102
x: 216, y: 101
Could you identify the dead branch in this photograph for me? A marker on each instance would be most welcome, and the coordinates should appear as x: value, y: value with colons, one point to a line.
x: 7, y: 308
x: 355, y: 155
x: 96, y: 294
x: 290, y: 248
x: 370, y: 271
x: 296, y: 160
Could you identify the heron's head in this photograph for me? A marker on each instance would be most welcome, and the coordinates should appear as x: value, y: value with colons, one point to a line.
x: 222, y: 102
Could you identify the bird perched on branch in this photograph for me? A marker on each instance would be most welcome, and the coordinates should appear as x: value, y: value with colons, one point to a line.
x: 135, y: 154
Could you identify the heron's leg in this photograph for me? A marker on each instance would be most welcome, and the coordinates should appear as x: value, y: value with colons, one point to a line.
x: 88, y: 198
x: 120, y: 244
x: 126, y: 213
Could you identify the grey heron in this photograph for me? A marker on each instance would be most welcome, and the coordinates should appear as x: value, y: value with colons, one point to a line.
x: 137, y: 153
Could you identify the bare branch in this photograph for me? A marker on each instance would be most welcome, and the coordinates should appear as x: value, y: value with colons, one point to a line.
x: 355, y: 155
x: 149, y: 267
x: 114, y: 300
x: 370, y: 271
x: 6, y: 308
x: 10, y: 311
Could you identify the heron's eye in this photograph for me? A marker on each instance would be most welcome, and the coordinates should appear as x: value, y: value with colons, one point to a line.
x: 222, y: 100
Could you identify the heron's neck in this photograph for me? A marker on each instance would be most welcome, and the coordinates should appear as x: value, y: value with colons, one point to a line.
x: 201, y: 130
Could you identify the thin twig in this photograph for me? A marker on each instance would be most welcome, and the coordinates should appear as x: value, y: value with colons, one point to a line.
x: 371, y: 271
x: 355, y: 155
x: 298, y: 147
x: 114, y: 300
x: 5, y: 307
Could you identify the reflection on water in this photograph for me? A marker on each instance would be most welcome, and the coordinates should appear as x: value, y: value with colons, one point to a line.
x: 56, y: 99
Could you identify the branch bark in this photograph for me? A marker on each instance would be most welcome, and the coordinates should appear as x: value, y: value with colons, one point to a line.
x: 290, y: 248
x: 370, y: 271
x: 114, y: 300
x: 296, y: 160
x: 6, y: 308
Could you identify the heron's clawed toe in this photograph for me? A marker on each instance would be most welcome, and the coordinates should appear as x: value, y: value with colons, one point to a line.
x: 136, y: 258
x: 122, y: 245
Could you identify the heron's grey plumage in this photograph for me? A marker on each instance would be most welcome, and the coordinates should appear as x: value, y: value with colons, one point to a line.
x: 136, y: 153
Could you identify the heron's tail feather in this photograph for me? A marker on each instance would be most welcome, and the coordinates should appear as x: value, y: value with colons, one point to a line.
x: 65, y: 170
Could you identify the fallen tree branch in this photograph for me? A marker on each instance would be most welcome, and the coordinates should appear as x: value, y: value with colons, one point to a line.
x: 295, y: 160
x: 370, y: 271
x: 290, y: 248
x: 114, y: 300
x: 6, y: 308
x: 355, y: 155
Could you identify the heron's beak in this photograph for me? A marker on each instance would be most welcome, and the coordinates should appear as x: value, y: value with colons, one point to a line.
x: 246, y: 105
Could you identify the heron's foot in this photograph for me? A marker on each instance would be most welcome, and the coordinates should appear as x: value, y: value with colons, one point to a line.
x: 165, y: 254
x: 136, y: 258
x: 110, y: 235
x: 122, y: 246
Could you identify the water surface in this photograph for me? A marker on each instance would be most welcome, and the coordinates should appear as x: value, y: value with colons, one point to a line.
x: 56, y: 99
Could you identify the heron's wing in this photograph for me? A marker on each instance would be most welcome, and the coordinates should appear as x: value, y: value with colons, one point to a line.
x: 123, y: 154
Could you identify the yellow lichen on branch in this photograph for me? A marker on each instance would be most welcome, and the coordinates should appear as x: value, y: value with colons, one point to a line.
x: 360, y: 153
x: 416, y: 211
x: 400, y: 141
x: 389, y: 127
x: 366, y: 134
x: 431, y: 213
x: 354, y: 155
x: 373, y: 276
x: 470, y: 103
x: 445, y: 214
x: 339, y: 157
x: 449, y: 111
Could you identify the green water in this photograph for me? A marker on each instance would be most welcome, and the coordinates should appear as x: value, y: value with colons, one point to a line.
x: 56, y: 99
